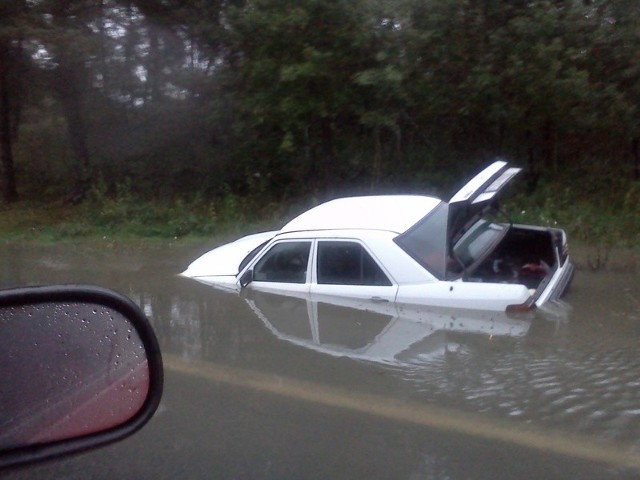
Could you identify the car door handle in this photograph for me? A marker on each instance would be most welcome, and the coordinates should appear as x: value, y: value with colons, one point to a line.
x: 379, y: 299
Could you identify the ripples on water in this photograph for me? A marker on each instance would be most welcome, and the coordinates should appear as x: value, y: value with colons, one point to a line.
x: 594, y: 390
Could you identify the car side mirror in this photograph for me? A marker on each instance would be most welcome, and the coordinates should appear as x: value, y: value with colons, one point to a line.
x: 246, y: 278
x: 79, y: 367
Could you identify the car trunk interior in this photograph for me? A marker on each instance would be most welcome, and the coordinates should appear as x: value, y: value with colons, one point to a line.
x: 525, y: 256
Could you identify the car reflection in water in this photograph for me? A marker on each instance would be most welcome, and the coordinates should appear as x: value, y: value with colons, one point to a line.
x: 378, y: 332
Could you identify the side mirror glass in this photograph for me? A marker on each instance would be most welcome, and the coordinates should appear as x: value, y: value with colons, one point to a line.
x: 79, y: 367
x: 246, y: 278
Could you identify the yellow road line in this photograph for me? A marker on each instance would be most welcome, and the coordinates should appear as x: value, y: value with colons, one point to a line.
x: 552, y: 441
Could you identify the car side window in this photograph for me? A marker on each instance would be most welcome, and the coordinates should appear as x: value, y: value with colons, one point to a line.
x: 348, y: 263
x: 284, y: 262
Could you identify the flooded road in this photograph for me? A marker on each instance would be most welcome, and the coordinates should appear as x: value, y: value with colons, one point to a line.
x: 263, y: 386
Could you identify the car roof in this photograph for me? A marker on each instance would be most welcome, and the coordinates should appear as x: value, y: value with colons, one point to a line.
x: 395, y: 213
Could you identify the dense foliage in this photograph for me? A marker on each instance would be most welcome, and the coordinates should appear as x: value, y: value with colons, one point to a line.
x: 272, y: 100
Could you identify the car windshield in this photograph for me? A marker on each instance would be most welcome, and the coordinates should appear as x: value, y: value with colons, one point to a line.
x: 250, y: 256
x: 426, y: 241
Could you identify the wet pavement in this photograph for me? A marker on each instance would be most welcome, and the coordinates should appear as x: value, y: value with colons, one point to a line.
x: 264, y: 386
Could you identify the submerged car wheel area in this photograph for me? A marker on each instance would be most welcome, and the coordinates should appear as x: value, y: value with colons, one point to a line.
x: 408, y: 249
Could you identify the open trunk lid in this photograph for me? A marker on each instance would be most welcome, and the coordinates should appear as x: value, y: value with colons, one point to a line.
x: 475, y: 198
x: 431, y: 241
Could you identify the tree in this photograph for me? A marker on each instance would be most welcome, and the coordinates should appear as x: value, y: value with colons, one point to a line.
x: 11, y: 69
x: 295, y: 64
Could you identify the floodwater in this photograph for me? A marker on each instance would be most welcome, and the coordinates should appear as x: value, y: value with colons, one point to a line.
x: 264, y: 386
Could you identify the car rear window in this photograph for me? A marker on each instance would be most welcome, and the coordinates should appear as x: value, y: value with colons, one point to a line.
x: 426, y: 241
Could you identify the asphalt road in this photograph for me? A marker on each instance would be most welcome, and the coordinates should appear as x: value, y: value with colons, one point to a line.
x: 210, y: 425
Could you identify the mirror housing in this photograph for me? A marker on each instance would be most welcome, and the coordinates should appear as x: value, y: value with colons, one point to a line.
x: 246, y: 278
x: 80, y: 367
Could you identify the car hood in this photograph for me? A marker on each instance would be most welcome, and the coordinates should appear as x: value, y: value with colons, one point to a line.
x: 478, y: 195
x: 225, y: 260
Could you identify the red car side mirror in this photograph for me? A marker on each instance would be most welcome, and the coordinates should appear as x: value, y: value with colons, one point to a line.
x: 80, y: 367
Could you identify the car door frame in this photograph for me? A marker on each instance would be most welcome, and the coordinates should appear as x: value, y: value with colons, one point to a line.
x: 282, y: 287
x: 374, y: 293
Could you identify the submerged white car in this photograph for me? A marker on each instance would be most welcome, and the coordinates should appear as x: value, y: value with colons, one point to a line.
x: 408, y: 249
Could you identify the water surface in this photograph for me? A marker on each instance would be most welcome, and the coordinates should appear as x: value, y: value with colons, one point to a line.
x: 572, y: 369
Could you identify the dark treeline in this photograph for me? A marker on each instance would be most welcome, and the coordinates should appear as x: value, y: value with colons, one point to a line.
x: 278, y: 99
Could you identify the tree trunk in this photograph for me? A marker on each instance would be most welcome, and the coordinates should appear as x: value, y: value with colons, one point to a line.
x: 9, y: 191
x: 377, y: 158
x: 328, y: 154
x: 68, y: 89
x: 635, y: 150
x: 153, y: 64
x: 533, y: 171
x: 551, y: 146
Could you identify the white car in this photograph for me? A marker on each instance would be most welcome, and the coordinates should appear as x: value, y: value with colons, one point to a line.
x: 408, y: 249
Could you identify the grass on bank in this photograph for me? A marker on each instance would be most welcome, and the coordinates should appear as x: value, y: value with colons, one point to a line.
x: 133, y: 218
x: 596, y: 215
x: 594, y: 218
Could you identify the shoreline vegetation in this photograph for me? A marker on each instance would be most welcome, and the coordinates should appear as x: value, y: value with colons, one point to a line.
x: 603, y: 233
x: 188, y: 121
